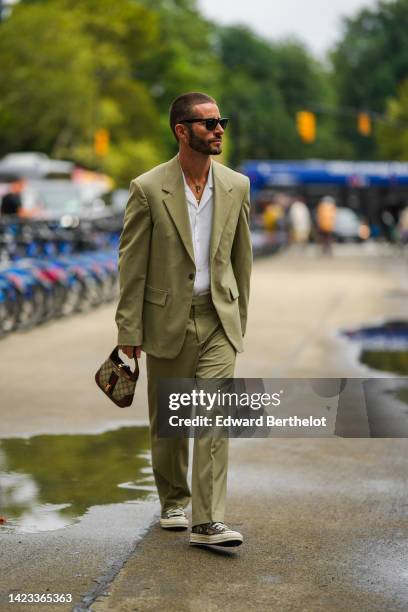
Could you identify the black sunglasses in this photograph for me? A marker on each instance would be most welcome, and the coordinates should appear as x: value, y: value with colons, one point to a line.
x: 210, y: 124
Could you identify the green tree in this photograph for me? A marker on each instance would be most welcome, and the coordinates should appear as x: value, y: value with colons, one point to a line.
x: 47, y: 90
x: 68, y: 69
x: 72, y: 67
x: 184, y: 58
x: 392, y: 134
x: 264, y: 85
x: 142, y: 54
x: 370, y: 61
x: 306, y: 84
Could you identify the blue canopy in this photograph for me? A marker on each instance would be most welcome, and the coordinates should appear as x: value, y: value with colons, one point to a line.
x: 343, y: 173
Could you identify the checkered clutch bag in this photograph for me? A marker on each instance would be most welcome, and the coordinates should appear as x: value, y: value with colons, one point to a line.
x: 117, y: 380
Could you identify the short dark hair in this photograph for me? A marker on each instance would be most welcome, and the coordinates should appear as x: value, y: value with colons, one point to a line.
x: 181, y: 107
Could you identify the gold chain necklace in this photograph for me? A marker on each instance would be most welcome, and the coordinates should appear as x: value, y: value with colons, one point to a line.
x: 197, y: 186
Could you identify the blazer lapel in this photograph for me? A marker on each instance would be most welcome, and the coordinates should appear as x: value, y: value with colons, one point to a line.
x: 175, y: 202
x: 222, y: 205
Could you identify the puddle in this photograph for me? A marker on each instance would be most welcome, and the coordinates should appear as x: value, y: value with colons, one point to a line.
x: 383, y: 347
x: 50, y: 481
x: 386, y: 361
x: 402, y: 395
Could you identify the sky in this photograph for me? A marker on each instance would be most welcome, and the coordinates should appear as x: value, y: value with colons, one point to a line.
x: 316, y: 22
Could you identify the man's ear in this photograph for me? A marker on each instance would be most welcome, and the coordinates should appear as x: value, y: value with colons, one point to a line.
x: 181, y: 132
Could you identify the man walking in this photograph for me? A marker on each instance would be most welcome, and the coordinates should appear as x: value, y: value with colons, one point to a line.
x: 185, y: 261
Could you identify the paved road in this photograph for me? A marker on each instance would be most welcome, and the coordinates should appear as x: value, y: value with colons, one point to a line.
x: 325, y: 521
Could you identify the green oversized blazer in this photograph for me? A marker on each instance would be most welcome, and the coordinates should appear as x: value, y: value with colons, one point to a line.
x: 156, y: 259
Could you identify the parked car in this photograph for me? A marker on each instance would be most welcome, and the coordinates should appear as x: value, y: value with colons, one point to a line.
x: 348, y: 227
x: 55, y: 198
x: 34, y: 165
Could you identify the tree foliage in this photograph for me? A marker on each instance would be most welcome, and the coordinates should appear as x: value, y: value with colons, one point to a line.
x: 264, y: 86
x: 393, y: 133
x: 68, y: 70
x: 370, y: 62
x: 71, y: 67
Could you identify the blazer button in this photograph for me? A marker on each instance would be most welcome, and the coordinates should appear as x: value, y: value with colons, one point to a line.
x: 191, y: 276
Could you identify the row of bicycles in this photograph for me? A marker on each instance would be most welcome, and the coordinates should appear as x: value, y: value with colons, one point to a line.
x: 47, y: 271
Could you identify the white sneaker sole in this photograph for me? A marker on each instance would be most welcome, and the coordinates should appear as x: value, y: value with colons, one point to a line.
x: 222, y: 539
x: 176, y: 522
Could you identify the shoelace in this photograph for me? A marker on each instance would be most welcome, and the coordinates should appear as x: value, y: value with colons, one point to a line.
x: 218, y: 526
x: 175, y: 512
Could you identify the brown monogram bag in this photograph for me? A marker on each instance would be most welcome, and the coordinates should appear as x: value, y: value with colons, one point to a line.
x: 117, y: 380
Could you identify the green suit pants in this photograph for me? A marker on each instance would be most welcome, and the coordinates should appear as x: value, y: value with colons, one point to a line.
x: 205, y: 353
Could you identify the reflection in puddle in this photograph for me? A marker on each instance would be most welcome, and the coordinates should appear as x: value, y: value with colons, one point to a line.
x: 50, y: 481
x: 386, y: 361
x: 384, y: 347
x: 402, y: 395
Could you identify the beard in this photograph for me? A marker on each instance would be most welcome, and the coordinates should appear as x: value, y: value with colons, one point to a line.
x: 203, y: 146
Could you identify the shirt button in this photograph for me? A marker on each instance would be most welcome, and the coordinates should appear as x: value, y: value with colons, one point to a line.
x: 191, y: 276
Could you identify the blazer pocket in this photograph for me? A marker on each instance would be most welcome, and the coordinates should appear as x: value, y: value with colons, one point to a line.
x: 234, y: 293
x: 155, y: 296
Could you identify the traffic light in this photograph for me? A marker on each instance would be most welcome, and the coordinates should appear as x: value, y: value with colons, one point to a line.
x: 306, y: 125
x: 364, y: 124
x: 101, y: 142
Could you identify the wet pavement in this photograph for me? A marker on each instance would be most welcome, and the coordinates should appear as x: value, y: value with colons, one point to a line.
x: 324, y: 521
x: 325, y: 527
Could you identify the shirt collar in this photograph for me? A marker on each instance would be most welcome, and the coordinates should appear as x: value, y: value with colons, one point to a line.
x: 210, y: 180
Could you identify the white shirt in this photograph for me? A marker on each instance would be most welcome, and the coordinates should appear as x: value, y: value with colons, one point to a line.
x: 201, y: 224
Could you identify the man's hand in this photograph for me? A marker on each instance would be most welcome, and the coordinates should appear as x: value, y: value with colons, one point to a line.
x: 128, y: 350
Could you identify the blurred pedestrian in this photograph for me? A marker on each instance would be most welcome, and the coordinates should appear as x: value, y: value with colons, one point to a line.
x: 272, y: 217
x: 325, y: 221
x: 185, y: 262
x: 403, y: 225
x: 300, y: 222
x: 390, y: 227
x: 11, y: 201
